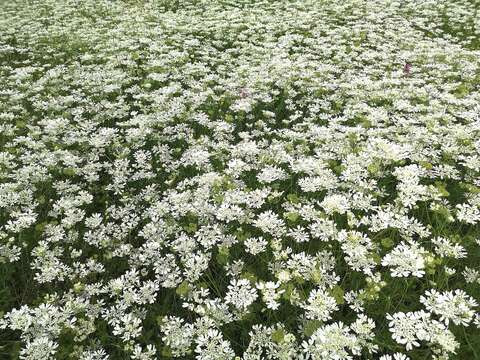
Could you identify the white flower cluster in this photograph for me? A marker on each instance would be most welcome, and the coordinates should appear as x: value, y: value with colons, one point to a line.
x: 209, y: 179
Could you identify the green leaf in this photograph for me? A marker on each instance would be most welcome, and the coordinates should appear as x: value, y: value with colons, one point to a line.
x: 442, y: 188
x: 373, y: 168
x: 462, y: 90
x: 190, y: 228
x: 166, y: 352
x: 387, y: 243
x: 338, y: 294
x: 223, y: 255
x: 159, y: 319
x: 69, y: 171
x: 249, y: 276
x: 183, y: 289
x: 311, y: 326
x: 292, y: 216
x: 278, y: 335
x: 377, y: 258
x: 40, y: 227
x: 20, y: 124
x: 289, y: 288
x: 293, y: 198
x: 426, y: 165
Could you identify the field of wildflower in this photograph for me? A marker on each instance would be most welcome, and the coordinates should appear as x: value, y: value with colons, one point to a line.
x: 240, y: 179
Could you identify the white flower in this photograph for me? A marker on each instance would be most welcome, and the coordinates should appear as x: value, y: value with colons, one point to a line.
x: 406, y: 260
x: 320, y: 305
x: 140, y: 354
x: 195, y: 265
x: 129, y: 328
x: 270, y: 294
x: 41, y: 348
x: 335, y: 203
x: 455, y: 306
x: 333, y: 341
x: 396, y: 356
x: 255, y: 245
x: 355, y: 300
x: 326, y: 181
x: 413, y: 327
x: 94, y: 354
x: 178, y: 335
x: 271, y: 174
x: 445, y: 248
x: 468, y: 213
x: 212, y: 346
x: 405, y: 328
x: 471, y: 275
x: 283, y: 276
x: 240, y: 294
x: 270, y: 223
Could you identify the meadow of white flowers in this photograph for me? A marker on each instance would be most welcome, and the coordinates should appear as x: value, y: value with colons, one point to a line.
x: 240, y: 179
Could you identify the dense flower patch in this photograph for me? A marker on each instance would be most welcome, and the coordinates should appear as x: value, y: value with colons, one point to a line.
x: 240, y: 179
